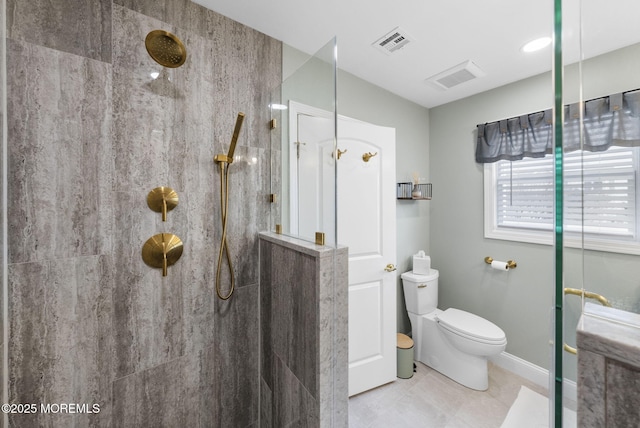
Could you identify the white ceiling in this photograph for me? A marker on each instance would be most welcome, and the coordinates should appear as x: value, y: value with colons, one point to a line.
x: 444, y: 34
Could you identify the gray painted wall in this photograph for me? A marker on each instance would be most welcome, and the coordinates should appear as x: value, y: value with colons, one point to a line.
x: 441, y: 142
x: 519, y: 301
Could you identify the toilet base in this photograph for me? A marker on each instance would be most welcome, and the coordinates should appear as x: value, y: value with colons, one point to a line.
x: 434, y: 350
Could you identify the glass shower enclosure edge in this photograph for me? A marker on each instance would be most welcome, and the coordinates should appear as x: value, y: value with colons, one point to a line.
x: 3, y: 216
x: 303, y: 142
x: 555, y: 378
x: 304, y: 184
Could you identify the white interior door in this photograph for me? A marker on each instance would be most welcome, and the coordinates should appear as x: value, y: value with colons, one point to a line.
x: 366, y: 223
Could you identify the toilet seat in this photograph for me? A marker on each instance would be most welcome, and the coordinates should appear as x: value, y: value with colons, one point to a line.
x: 471, y: 326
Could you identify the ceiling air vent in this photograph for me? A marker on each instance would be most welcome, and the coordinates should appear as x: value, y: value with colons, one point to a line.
x: 392, y: 41
x: 455, y: 75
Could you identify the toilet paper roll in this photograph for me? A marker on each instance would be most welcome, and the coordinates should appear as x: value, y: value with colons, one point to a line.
x: 496, y: 264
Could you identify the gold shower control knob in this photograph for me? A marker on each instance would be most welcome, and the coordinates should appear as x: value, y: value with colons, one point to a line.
x: 162, y: 200
x: 162, y: 250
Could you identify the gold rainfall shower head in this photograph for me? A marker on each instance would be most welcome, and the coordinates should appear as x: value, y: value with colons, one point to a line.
x: 165, y: 48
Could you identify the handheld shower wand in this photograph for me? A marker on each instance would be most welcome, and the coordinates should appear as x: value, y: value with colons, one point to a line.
x: 225, y: 161
x: 228, y: 158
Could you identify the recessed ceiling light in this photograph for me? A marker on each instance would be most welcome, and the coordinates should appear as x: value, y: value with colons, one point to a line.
x: 537, y: 44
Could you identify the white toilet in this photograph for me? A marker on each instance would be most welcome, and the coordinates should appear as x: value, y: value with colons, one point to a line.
x: 454, y: 342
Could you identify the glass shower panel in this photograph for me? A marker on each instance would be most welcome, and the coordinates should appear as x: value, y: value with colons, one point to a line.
x: 610, y: 67
x: 303, y: 146
x: 601, y: 249
x: 556, y: 369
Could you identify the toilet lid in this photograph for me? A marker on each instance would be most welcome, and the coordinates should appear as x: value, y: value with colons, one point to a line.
x: 470, y: 325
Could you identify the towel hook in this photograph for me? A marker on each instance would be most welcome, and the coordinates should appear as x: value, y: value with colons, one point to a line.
x: 367, y: 156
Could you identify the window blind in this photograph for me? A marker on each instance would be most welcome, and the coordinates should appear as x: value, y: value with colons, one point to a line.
x: 524, y: 193
x: 600, y: 192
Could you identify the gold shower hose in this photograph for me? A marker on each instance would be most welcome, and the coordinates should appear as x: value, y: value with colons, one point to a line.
x: 225, y: 162
x: 224, y: 247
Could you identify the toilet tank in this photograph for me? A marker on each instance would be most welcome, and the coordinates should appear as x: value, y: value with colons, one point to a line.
x: 420, y: 292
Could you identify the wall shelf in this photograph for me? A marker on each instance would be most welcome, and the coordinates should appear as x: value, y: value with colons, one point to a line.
x: 413, y: 192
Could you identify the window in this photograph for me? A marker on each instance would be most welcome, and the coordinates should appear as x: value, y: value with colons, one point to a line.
x: 519, y: 199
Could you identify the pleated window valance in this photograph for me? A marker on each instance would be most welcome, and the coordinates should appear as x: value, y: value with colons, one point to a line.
x: 608, y: 121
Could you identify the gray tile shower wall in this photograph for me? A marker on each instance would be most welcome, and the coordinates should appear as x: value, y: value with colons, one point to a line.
x: 59, y: 175
x: 77, y: 27
x: 90, y: 133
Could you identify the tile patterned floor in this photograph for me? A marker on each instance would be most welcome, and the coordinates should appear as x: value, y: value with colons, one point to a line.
x: 431, y: 400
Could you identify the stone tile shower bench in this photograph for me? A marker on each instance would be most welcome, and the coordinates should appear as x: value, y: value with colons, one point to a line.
x: 608, y: 342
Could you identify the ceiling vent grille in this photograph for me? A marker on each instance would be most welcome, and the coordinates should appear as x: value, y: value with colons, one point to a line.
x: 393, y: 41
x: 455, y: 75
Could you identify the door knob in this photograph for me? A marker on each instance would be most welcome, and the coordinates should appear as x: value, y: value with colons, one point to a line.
x: 390, y: 267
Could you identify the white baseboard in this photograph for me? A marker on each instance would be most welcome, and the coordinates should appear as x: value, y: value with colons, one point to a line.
x: 533, y: 373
